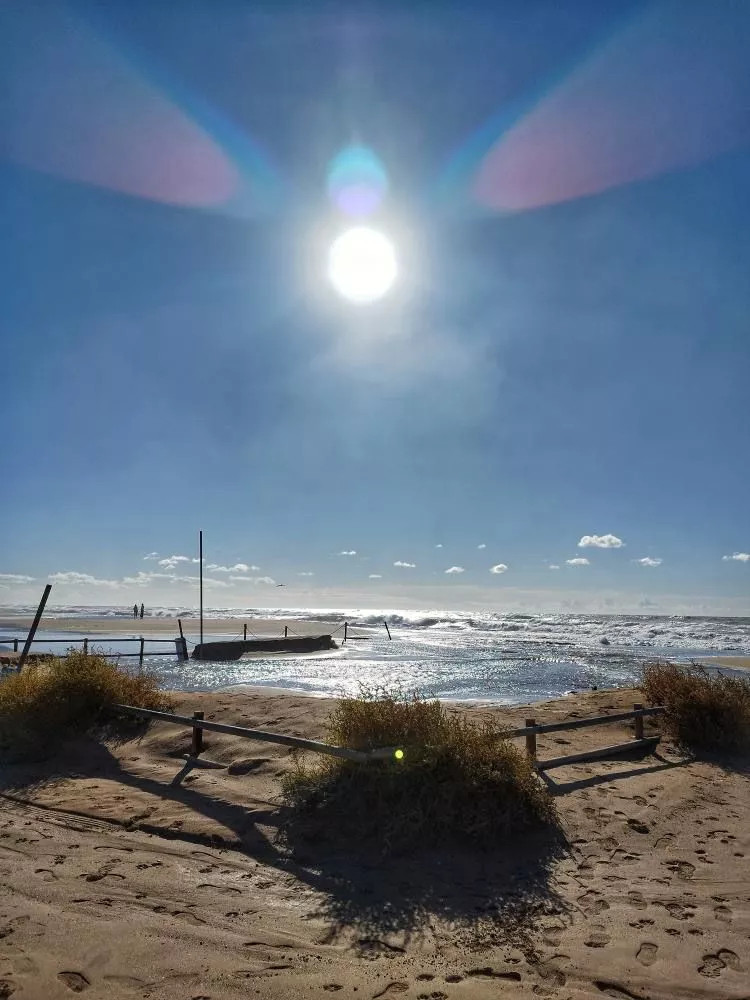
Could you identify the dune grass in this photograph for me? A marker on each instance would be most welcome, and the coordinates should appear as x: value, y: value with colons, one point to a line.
x: 704, y: 711
x: 458, y: 781
x: 64, y: 696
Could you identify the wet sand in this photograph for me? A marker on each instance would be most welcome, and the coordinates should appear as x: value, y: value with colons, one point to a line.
x: 168, y: 627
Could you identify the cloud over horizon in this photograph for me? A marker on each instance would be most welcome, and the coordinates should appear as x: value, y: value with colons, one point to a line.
x: 237, y: 568
x: 737, y: 557
x: 499, y: 568
x: 71, y: 578
x: 348, y: 552
x: 455, y: 569
x: 405, y: 565
x: 578, y: 561
x: 648, y: 561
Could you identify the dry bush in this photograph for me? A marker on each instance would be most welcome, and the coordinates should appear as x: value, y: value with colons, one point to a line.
x: 704, y: 711
x: 63, y: 696
x: 459, y: 781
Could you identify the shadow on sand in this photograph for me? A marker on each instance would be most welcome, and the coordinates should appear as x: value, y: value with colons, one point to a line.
x: 485, y: 897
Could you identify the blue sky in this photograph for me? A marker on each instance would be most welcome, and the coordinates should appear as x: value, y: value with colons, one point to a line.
x: 565, y: 352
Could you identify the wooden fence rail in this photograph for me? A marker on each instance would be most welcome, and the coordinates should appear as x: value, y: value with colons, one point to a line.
x: 639, y: 742
x: 198, y: 724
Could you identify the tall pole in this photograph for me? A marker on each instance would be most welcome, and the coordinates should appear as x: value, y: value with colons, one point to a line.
x: 200, y: 559
x: 34, y: 627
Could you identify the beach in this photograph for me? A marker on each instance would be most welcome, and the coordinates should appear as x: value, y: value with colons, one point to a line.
x: 128, y: 873
x: 163, y: 627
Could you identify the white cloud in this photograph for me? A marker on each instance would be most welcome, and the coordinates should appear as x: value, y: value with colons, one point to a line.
x: 553, y: 566
x: 500, y: 568
x: 482, y: 546
x: 648, y: 561
x: 737, y: 557
x: 455, y: 569
x: 171, y: 561
x: 305, y: 574
x: 405, y: 565
x: 349, y: 552
x: 375, y: 576
x: 439, y: 545
x: 601, y: 542
x: 578, y: 561
x: 72, y: 579
x: 237, y: 568
x: 16, y: 578
x: 152, y: 555
x: 142, y: 579
x: 251, y: 579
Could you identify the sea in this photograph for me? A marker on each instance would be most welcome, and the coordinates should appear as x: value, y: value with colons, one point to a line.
x: 463, y: 656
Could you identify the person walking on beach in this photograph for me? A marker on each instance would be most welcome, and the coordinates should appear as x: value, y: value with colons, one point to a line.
x: 135, y: 611
x: 141, y: 610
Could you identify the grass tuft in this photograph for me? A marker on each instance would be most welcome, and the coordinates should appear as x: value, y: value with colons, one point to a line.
x: 65, y: 696
x: 459, y: 781
x: 704, y: 711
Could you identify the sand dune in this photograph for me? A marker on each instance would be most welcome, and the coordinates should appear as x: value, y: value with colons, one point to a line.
x: 125, y: 873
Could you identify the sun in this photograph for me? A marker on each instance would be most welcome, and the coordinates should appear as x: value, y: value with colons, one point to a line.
x: 362, y: 264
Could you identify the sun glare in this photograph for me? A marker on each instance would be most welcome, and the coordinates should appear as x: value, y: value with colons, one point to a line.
x: 362, y: 264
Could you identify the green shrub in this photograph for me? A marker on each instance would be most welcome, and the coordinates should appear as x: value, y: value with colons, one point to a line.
x: 64, y: 696
x: 704, y: 711
x: 459, y: 781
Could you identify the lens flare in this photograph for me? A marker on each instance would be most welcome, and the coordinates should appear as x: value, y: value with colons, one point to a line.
x: 357, y: 182
x: 362, y: 264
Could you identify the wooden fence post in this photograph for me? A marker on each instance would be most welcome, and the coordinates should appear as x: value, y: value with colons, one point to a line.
x: 387, y: 629
x: 346, y: 629
x: 531, y: 739
x: 286, y: 631
x: 15, y: 645
x: 140, y: 655
x: 197, y: 735
x: 85, y: 647
x: 244, y: 631
x: 638, y: 722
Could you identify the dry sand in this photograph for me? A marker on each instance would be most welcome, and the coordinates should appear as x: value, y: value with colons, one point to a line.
x: 735, y: 662
x: 125, y: 873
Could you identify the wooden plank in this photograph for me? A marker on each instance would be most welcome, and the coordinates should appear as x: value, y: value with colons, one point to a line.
x: 345, y: 753
x: 531, y: 737
x: 649, y: 742
x: 599, y: 720
x: 34, y: 626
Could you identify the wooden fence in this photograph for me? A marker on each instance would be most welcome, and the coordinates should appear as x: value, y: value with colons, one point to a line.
x: 198, y: 724
x: 530, y: 731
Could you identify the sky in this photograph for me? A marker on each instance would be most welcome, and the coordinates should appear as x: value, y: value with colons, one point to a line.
x: 549, y: 409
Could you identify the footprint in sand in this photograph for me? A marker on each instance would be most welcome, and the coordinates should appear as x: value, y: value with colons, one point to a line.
x: 592, y: 903
x: 390, y: 989
x: 424, y: 977
x: 646, y: 954
x: 226, y: 890
x: 683, y: 869
x: 664, y: 841
x: 680, y: 912
x: 723, y: 913
x: 75, y: 981
x: 636, y: 899
x: 46, y: 874
x: 7, y: 989
x: 713, y: 965
x: 598, y: 938
x: 638, y: 826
